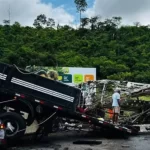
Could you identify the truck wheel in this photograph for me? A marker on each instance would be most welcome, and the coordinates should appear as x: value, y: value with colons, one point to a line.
x: 15, y: 125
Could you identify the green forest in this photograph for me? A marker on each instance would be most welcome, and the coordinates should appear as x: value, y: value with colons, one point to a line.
x: 117, y: 51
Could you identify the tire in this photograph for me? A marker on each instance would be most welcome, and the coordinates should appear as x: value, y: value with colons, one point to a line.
x: 4, y: 147
x: 18, y: 123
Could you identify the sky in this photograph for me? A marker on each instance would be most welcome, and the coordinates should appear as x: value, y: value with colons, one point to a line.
x: 64, y: 11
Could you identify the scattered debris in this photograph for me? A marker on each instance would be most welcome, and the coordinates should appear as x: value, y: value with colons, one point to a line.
x: 145, y: 138
x: 88, y: 149
x: 66, y: 148
x: 147, y: 128
x: 87, y: 142
x: 125, y: 146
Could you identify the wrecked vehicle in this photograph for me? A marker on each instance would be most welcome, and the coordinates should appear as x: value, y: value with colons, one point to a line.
x: 134, y: 110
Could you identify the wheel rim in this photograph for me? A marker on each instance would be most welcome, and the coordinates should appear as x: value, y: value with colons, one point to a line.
x: 12, y: 127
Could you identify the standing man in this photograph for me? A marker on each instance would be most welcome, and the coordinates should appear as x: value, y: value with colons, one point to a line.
x: 116, y: 105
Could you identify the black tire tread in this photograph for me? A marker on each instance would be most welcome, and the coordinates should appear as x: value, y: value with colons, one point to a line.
x: 19, y: 119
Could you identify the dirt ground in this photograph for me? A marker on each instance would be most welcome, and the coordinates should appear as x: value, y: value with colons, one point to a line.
x: 64, y: 141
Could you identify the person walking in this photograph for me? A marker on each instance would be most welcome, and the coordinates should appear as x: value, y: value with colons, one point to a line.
x: 116, y: 105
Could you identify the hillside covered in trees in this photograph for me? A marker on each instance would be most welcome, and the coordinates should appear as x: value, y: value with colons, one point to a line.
x: 118, y: 52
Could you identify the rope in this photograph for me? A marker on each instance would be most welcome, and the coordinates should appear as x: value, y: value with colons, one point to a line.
x: 35, y: 125
x: 41, y: 122
x: 7, y: 101
x: 14, y: 99
x: 24, y: 72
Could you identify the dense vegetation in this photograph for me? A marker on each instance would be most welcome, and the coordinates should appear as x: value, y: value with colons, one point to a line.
x: 118, y: 52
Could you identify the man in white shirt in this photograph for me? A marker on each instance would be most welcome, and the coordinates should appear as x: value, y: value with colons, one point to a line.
x: 116, y: 105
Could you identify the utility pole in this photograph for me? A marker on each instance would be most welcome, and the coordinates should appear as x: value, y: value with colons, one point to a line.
x: 9, y: 15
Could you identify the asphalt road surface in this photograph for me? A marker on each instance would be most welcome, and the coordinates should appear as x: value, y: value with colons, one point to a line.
x: 64, y: 141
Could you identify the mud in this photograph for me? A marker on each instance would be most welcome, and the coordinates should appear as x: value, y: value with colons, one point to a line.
x: 64, y: 141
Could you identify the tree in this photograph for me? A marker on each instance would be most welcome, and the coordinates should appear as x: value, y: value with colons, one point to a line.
x: 93, y: 22
x: 137, y: 24
x: 81, y: 6
x: 110, y: 24
x: 6, y: 22
x: 119, y: 52
x: 100, y: 25
x: 40, y: 21
x: 17, y: 24
x: 117, y: 20
x: 84, y: 22
x: 50, y: 22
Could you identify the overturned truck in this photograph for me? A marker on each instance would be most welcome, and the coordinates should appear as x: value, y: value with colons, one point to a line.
x: 43, y: 100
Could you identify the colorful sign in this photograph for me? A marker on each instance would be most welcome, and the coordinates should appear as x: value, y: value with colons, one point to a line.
x: 66, y: 78
x: 69, y: 75
x: 77, y: 78
x: 88, y: 77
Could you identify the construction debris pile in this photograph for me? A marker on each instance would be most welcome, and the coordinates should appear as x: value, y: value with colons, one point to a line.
x: 96, y: 98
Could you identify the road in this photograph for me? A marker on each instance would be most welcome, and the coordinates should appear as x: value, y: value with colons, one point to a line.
x: 64, y: 141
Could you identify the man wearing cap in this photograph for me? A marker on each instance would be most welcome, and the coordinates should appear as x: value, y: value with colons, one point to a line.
x: 116, y: 105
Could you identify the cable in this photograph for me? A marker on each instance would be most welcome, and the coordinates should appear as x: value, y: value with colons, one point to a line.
x: 24, y: 72
x: 14, y: 99
x: 7, y: 101
x: 41, y: 122
x: 35, y: 125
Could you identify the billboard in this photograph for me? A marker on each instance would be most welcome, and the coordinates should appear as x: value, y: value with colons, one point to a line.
x: 69, y: 75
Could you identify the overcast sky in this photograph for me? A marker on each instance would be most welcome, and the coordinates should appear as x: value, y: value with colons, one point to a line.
x: 64, y: 11
x: 25, y: 11
x: 130, y: 10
